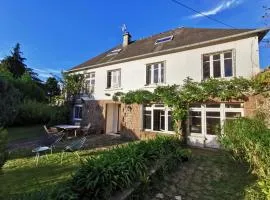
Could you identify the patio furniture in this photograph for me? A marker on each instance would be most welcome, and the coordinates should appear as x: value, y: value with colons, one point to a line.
x: 38, y: 150
x: 51, y: 141
x: 51, y: 131
x: 74, y: 147
x: 86, y: 129
x: 66, y: 127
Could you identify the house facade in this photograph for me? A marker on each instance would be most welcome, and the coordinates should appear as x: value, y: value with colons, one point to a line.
x: 165, y: 59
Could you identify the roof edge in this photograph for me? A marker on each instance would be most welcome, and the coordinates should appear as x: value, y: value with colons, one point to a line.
x: 264, y: 31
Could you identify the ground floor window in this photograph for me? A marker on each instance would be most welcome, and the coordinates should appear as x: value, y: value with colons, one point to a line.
x: 157, y: 117
x: 207, y: 119
x: 77, y: 112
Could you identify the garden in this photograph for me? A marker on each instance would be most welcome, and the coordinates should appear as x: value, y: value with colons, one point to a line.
x: 160, y: 168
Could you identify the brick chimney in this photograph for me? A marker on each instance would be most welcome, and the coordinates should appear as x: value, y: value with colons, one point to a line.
x: 126, y: 39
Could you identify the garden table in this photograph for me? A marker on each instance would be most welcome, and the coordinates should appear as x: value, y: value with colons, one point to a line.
x: 38, y: 150
x: 67, y: 127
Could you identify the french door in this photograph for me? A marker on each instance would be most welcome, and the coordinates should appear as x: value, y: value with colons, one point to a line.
x: 206, y: 121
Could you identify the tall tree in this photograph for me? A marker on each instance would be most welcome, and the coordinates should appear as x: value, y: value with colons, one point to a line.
x: 52, y: 87
x: 15, y: 62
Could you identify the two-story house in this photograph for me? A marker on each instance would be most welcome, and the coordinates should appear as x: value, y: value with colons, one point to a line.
x: 164, y: 59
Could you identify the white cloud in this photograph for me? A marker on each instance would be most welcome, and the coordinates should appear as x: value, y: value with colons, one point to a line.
x: 46, y: 72
x: 224, y: 5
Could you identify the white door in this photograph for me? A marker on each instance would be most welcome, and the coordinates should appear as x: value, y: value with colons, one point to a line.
x: 112, y: 118
x: 212, y: 125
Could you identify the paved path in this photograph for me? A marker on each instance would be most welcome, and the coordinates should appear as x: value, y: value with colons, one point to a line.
x: 207, y: 175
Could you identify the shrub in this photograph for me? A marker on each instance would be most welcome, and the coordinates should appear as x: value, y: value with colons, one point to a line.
x: 249, y: 139
x: 119, y: 168
x: 32, y: 112
x: 3, y: 142
x: 10, y: 99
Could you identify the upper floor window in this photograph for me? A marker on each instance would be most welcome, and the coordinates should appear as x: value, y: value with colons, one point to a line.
x: 218, y: 65
x: 90, y: 82
x: 155, y: 73
x: 114, y: 79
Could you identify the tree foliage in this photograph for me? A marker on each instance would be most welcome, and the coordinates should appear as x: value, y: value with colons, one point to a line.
x: 72, y: 84
x: 10, y: 100
x: 52, y: 87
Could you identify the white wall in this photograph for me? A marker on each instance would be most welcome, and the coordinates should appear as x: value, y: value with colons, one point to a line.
x: 179, y: 66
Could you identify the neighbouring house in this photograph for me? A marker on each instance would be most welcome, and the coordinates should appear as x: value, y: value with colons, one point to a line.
x: 164, y: 59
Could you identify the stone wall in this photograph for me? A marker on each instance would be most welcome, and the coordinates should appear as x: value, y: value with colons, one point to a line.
x: 258, y: 104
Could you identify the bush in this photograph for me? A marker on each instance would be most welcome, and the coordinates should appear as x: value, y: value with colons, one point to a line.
x: 249, y: 139
x: 10, y: 99
x: 3, y: 142
x: 32, y: 112
x: 118, y: 169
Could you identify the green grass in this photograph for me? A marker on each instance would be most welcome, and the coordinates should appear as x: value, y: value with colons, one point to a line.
x: 21, y: 175
x: 27, y: 132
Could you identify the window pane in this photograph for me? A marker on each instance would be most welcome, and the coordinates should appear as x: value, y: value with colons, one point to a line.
x: 78, y: 112
x: 212, y: 122
x: 213, y: 105
x: 147, y: 120
x: 159, y: 122
x: 232, y: 115
x: 233, y: 105
x: 170, y: 121
x: 155, y: 73
x: 162, y: 73
x: 216, y: 69
x: 216, y: 57
x: 148, y: 74
x: 228, y: 55
x: 195, y: 122
x: 109, y: 79
x: 228, y: 67
x: 206, y: 58
x: 206, y: 70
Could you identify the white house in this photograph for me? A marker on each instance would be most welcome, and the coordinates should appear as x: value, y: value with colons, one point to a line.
x: 164, y: 59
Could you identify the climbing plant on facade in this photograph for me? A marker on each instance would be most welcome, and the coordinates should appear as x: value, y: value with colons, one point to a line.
x: 179, y: 98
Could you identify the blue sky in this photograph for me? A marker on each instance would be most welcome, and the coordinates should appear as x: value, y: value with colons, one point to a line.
x: 58, y: 34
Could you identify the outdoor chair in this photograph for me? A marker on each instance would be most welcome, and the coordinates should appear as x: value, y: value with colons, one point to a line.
x: 51, y: 141
x: 51, y: 131
x: 86, y: 129
x: 74, y: 147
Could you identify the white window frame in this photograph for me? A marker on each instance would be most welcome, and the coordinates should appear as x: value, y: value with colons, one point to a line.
x: 74, y: 108
x: 222, y: 64
x: 222, y: 110
x: 91, y: 87
x: 117, y: 74
x: 152, y: 65
x: 152, y: 108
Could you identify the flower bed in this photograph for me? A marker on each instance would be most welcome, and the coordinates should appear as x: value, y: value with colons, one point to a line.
x: 118, y: 169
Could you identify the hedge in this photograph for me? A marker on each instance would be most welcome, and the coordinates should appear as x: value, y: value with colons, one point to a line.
x: 115, y: 170
x: 3, y: 150
x: 32, y: 112
x: 249, y: 139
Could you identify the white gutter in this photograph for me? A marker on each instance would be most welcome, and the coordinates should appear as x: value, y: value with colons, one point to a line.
x: 171, y: 50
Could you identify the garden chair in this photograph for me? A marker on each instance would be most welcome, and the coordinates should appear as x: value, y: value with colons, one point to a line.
x: 51, y: 131
x: 74, y: 147
x: 86, y: 129
x: 51, y: 141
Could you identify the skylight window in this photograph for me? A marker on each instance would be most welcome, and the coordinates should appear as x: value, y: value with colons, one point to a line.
x: 114, y: 52
x: 164, y: 39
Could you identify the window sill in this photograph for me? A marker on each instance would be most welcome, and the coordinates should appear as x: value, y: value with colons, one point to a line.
x: 153, y: 85
x: 77, y: 119
x: 112, y: 89
x: 153, y: 131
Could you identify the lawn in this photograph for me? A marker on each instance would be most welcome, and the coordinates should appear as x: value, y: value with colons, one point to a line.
x: 27, y: 132
x: 21, y: 175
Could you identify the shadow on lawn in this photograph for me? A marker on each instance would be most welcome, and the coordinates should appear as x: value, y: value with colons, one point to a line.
x: 207, y: 175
